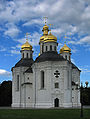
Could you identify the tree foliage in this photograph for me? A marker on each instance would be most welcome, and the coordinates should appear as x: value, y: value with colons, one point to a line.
x: 6, y: 93
x: 86, y: 96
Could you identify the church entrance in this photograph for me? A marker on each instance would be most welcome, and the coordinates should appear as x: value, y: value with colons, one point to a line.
x: 56, y: 102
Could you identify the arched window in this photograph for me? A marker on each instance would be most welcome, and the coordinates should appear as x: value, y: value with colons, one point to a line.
x: 17, y: 83
x: 46, y: 48
x: 23, y: 55
x: 54, y: 48
x: 42, y: 79
x: 27, y: 55
x: 50, y: 47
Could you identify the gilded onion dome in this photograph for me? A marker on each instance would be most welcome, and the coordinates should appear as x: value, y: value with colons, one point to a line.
x: 26, y: 46
x: 50, y: 38
x: 65, y: 48
x: 45, y: 32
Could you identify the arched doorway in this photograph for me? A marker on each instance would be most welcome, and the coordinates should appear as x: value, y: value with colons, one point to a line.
x: 56, y: 102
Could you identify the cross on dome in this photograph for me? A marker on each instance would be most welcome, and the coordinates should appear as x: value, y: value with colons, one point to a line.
x: 50, y: 26
x: 27, y: 34
x: 45, y: 19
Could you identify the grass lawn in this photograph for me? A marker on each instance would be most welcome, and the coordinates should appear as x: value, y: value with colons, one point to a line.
x: 43, y: 114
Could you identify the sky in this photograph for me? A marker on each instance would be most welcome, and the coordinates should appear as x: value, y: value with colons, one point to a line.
x: 70, y: 17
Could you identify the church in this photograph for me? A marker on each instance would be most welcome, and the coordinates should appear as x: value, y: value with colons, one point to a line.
x: 51, y: 80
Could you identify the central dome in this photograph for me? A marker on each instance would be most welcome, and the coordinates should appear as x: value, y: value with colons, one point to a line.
x: 50, y: 38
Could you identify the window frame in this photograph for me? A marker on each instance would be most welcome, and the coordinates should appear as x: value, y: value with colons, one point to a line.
x: 56, y: 85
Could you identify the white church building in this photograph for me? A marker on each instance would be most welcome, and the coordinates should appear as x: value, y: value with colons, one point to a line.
x: 52, y: 80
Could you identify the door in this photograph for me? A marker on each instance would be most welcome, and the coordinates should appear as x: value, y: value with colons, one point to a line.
x: 56, y: 102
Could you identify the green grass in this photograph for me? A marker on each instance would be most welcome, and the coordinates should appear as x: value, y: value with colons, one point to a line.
x: 43, y: 114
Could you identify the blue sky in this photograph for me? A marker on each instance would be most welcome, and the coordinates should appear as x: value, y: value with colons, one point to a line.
x: 70, y: 17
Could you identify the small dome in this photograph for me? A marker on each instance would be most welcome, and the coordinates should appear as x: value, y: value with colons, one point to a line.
x: 26, y: 46
x: 65, y: 48
x: 50, y: 38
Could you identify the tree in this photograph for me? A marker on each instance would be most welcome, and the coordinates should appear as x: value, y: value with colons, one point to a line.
x: 6, y: 93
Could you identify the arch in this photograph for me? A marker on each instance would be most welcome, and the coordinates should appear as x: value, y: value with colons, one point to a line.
x: 56, y: 102
x: 42, y: 79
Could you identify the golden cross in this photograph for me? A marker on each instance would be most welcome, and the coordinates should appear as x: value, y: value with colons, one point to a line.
x: 27, y: 36
x: 65, y: 38
x: 45, y: 18
x: 50, y: 26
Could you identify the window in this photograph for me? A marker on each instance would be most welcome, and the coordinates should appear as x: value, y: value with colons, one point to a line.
x: 50, y: 47
x: 42, y: 79
x: 56, y: 85
x: 27, y: 55
x: 23, y: 55
x: 17, y: 83
x: 54, y: 48
x: 31, y: 55
x: 42, y: 48
x: 46, y: 48
x: 65, y: 56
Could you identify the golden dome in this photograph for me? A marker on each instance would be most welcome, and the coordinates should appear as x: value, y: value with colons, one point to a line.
x: 50, y: 38
x: 45, y: 32
x: 26, y: 46
x: 65, y: 48
x: 42, y: 37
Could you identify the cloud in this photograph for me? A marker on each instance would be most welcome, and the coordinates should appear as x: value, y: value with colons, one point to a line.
x: 11, y: 30
x: 59, y: 12
x: 74, y: 50
x: 4, y: 73
x: 33, y: 39
x: 68, y: 16
x: 33, y: 21
x: 2, y: 49
x: 85, y: 40
x: 15, y: 52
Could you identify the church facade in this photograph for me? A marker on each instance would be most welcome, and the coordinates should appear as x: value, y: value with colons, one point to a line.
x: 52, y: 80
